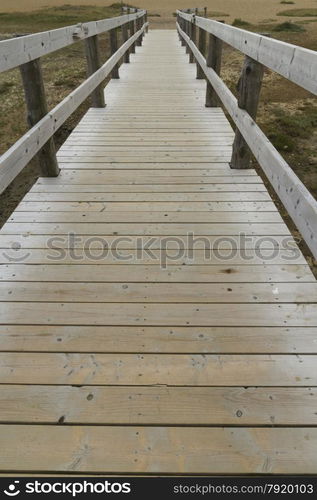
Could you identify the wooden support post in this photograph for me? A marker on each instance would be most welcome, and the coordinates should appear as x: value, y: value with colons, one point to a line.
x: 138, y: 26
x: 188, y: 34
x: 113, y: 49
x: 249, y: 87
x: 93, y: 63
x: 183, y: 27
x: 193, y: 39
x: 125, y: 36
x: 35, y: 98
x: 132, y: 31
x: 145, y: 20
x: 213, y: 61
x: 202, y: 49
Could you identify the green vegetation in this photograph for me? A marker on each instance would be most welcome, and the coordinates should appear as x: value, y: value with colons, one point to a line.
x: 214, y: 13
x: 287, y: 26
x: 287, y: 128
x: 240, y: 23
x: 54, y: 17
x: 298, y: 12
x: 5, y: 86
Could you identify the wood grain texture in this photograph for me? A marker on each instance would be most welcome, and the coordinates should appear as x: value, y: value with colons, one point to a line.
x: 119, y: 366
x: 159, y: 450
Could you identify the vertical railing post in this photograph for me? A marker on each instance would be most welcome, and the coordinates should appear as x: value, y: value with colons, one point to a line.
x: 192, y: 37
x: 187, y: 33
x: 125, y: 36
x: 183, y: 27
x: 205, y: 11
x: 145, y: 20
x: 202, y: 49
x: 93, y: 64
x: 138, y: 26
x: 249, y: 87
x: 213, y: 61
x: 113, y: 49
x: 36, y: 103
x: 132, y: 31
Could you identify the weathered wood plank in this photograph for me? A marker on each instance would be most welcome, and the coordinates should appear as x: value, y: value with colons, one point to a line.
x: 158, y: 405
x: 158, y: 292
x: 159, y: 339
x: 160, y: 450
x: 124, y: 229
x: 194, y: 314
x: 153, y: 274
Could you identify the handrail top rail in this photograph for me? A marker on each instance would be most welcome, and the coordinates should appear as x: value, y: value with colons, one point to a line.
x: 297, y: 64
x: 20, y: 50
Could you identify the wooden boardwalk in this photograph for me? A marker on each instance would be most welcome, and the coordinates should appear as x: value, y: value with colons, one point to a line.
x: 207, y: 366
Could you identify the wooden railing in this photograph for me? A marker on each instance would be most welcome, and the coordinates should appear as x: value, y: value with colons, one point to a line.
x: 295, y: 63
x: 26, y: 51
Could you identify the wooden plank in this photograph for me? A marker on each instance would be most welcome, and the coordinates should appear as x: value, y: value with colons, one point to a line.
x: 151, y: 369
x: 137, y: 217
x: 194, y: 314
x: 171, y: 229
x: 169, y: 206
x: 159, y: 292
x: 17, y: 242
x: 159, y: 450
x: 158, y: 405
x: 87, y: 194
x: 299, y: 203
x: 153, y: 274
x: 297, y: 64
x: 159, y: 339
x: 17, y: 51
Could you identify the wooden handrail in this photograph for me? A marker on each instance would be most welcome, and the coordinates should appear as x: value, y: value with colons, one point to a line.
x: 297, y: 64
x: 21, y: 50
x: 19, y: 155
x: 298, y: 201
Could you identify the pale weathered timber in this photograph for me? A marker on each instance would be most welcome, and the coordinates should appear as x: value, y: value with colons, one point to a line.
x: 21, y: 50
x: 249, y: 95
x: 297, y: 64
x: 213, y: 60
x: 93, y: 64
x: 36, y: 104
x: 300, y: 204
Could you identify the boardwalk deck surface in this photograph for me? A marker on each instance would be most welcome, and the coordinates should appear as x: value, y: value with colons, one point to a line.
x: 204, y: 365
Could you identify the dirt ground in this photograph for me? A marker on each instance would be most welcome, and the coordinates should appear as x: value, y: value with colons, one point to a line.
x: 254, y: 11
x: 287, y: 113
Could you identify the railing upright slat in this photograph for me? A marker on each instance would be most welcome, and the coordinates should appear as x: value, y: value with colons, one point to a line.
x: 36, y: 103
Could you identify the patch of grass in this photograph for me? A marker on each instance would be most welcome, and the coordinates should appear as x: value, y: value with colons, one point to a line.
x: 298, y: 12
x: 240, y: 23
x: 288, y: 26
x: 282, y: 142
x: 5, y: 86
x: 288, y: 128
x: 153, y: 15
x: 214, y: 13
x: 53, y: 17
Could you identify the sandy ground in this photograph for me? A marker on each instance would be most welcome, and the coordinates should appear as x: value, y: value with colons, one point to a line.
x: 250, y: 10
